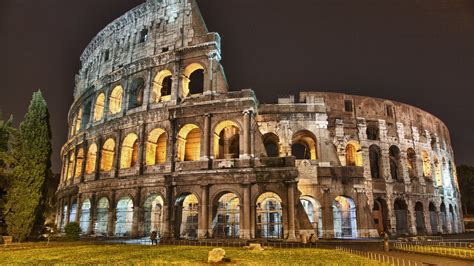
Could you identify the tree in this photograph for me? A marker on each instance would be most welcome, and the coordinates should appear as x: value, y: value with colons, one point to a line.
x: 5, y: 127
x: 466, y: 185
x: 30, y: 160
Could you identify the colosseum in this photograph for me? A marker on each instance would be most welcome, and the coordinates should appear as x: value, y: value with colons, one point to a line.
x: 159, y: 142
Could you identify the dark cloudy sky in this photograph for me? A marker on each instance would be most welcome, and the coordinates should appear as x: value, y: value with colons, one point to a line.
x: 420, y: 52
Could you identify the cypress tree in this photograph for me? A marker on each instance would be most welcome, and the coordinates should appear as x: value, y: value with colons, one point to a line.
x: 5, y: 127
x: 30, y: 153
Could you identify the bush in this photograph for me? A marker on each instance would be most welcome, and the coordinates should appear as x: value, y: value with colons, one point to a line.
x: 73, y: 231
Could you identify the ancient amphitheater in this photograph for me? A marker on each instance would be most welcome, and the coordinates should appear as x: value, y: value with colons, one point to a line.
x: 159, y: 142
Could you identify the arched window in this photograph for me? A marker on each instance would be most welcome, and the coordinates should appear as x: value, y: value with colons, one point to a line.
x: 446, y: 174
x: 375, y: 157
x: 443, y: 218
x: 426, y: 164
x: 79, y: 162
x: 73, y: 212
x: 64, y: 216
x: 226, y: 222
x: 91, y: 158
x: 394, y: 156
x: 304, y: 145
x: 102, y: 217
x: 156, y: 147
x: 345, y: 221
x: 77, y: 121
x: 189, y: 143
x: 99, y: 107
x: 372, y: 130
x: 380, y: 214
x: 433, y: 219
x: 136, y: 93
x: 162, y: 85
x: 107, y: 157
x: 188, y: 210
x: 353, y: 154
x: 419, y: 218
x: 115, y: 100
x: 153, y: 214
x: 401, y: 217
x: 85, y: 216
x: 411, y: 162
x: 437, y: 168
x: 272, y: 144
x: 70, y: 166
x: 123, y: 224
x: 313, y: 210
x: 226, y: 140
x: 193, y: 79
x: 86, y: 114
x: 269, y: 216
x: 129, y: 154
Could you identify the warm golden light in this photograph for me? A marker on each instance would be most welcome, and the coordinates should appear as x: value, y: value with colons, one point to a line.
x: 189, y: 143
x: 160, y: 88
x: 91, y: 158
x: 226, y: 140
x: 107, y: 157
x: 354, y: 154
x: 115, y: 100
x: 129, y: 153
x: 186, y: 77
x: 426, y: 164
x: 99, y: 107
x: 156, y: 147
x: 79, y: 161
x: 307, y: 139
x: 70, y: 166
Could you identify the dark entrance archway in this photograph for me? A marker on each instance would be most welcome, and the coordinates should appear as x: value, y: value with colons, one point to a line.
x: 420, y: 218
x: 401, y: 217
x: 380, y: 215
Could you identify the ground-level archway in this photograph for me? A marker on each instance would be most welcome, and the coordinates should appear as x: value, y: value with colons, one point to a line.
x: 433, y: 219
x: 401, y: 217
x: 269, y: 216
x: 85, y: 216
x: 380, y: 216
x: 153, y: 214
x: 102, y: 216
x: 124, y: 222
x: 313, y: 210
x: 345, y: 220
x: 420, y: 218
x: 187, y: 214
x: 226, y: 221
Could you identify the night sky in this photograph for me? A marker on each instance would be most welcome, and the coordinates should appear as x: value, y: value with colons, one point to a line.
x: 412, y: 51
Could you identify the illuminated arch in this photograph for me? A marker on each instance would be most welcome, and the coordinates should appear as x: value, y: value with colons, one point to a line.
x: 156, y: 147
x: 129, y: 152
x: 70, y: 166
x: 411, y: 162
x: 124, y: 215
x: 426, y: 164
x: 437, y: 169
x: 401, y: 217
x: 102, y: 216
x: 135, y: 94
x: 188, y: 210
x: 188, y: 81
x: 345, y: 220
x: 115, y: 100
x: 107, y: 158
x: 162, y: 85
x: 79, y: 161
x: 91, y: 158
x: 189, y: 143
x: 226, y: 140
x: 314, y: 212
x: 272, y: 144
x: 269, y: 216
x: 354, y: 154
x: 153, y: 214
x: 226, y: 222
x: 77, y: 121
x: 84, y: 220
x: 304, y: 145
x: 99, y: 107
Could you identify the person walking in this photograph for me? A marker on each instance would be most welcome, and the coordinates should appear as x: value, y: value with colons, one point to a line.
x: 153, y: 237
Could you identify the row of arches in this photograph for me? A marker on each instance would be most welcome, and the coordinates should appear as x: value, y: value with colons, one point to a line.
x: 161, y: 90
x: 303, y: 145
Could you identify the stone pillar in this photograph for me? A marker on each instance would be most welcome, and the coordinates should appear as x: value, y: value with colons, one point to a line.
x: 245, y: 214
x: 92, y: 215
x: 246, y: 134
x: 111, y: 215
x: 78, y: 208
x: 73, y: 174
x: 141, y: 148
x: 385, y: 167
x: 427, y: 219
x: 327, y: 212
x: 411, y: 217
x: 206, y: 151
x: 117, y: 152
x: 98, y: 157
x: 137, y: 214
x: 84, y: 160
x: 203, y: 216
x: 291, y: 211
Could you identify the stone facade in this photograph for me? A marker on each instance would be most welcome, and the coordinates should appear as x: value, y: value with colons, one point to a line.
x: 158, y: 142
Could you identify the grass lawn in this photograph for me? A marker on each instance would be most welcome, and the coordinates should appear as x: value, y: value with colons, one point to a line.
x: 86, y: 253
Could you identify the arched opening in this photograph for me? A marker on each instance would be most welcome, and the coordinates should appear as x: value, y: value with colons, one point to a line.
x: 85, y: 216
x: 115, y: 100
x: 123, y: 224
x: 107, y: 156
x: 99, y: 107
x: 153, y: 214
x: 91, y: 159
x: 64, y: 216
x: 394, y: 156
x: 79, y: 162
x: 226, y: 222
x: 129, y: 154
x: 101, y: 217
x: 136, y: 93
x: 73, y: 212
x: 433, y: 219
x: 304, y: 145
x: 86, y: 113
x: 70, y: 166
x: 272, y: 144
x: 401, y: 217
x: 420, y: 218
x: 226, y: 140
x: 380, y: 215
x: 189, y: 143
x: 451, y: 218
x: 372, y: 130
x: 314, y: 212
x: 375, y: 157
x: 187, y: 208
x: 437, y: 168
x: 77, y: 122
x: 446, y: 174
x: 193, y: 79
x: 411, y: 162
x: 156, y: 147
x: 269, y: 216
x: 353, y: 154
x: 162, y: 85
x: 345, y: 221
x: 426, y: 164
x: 443, y: 218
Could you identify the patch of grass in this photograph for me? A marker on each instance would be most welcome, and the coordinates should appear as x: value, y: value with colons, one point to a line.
x: 86, y: 253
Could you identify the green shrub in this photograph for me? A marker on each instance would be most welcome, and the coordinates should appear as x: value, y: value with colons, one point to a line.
x: 73, y: 231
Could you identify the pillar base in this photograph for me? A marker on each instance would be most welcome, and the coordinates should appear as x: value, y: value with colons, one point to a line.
x: 245, y: 234
x: 292, y: 236
x: 202, y: 234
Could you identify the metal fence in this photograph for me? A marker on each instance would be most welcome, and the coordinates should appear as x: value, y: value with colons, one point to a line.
x: 236, y: 244
x: 382, y: 258
x: 437, y: 249
x: 465, y: 245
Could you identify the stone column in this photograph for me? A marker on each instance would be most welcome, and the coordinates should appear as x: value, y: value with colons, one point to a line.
x: 291, y: 211
x: 141, y: 148
x: 73, y: 174
x: 427, y: 219
x: 206, y: 151
x: 411, y: 217
x: 245, y: 214
x: 84, y: 160
x: 92, y: 215
x: 203, y: 216
x: 111, y: 215
x: 246, y: 134
x: 98, y: 157
x: 137, y: 213
x: 117, y: 153
x: 78, y: 208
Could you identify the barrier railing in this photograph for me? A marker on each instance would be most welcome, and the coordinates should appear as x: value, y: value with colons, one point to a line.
x: 449, y: 244
x: 436, y: 249
x: 382, y: 257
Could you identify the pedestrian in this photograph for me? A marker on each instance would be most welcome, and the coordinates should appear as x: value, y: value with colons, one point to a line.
x: 153, y: 238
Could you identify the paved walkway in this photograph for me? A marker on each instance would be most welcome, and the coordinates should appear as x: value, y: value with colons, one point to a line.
x: 428, y: 259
